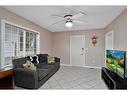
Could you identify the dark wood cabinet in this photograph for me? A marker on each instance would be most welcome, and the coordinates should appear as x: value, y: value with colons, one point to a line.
x: 6, y: 79
x: 112, y: 80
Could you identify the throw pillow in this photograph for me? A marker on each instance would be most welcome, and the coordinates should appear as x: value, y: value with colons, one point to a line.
x: 29, y: 65
x: 33, y: 59
x: 51, y: 59
x: 30, y: 58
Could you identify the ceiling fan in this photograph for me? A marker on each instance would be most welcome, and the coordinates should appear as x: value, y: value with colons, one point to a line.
x: 71, y: 18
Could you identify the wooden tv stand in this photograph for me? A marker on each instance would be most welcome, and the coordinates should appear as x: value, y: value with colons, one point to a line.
x: 112, y: 80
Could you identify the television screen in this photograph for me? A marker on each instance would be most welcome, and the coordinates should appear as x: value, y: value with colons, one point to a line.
x: 115, y: 61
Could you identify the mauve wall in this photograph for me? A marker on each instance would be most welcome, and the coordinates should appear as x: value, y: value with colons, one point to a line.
x: 94, y: 55
x: 119, y: 26
x: 45, y: 36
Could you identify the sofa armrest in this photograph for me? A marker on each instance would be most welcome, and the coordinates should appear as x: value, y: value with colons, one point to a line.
x: 57, y: 59
x: 24, y: 71
x: 26, y: 78
x: 57, y: 62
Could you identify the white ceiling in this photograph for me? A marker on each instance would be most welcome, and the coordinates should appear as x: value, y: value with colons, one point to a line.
x: 97, y: 16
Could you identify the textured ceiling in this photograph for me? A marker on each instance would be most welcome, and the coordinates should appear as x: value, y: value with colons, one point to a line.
x: 97, y: 16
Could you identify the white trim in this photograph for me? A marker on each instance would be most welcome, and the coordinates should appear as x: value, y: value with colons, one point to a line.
x: 81, y: 66
x: 6, y: 66
x: 17, y: 25
x: 112, y: 33
x: 84, y: 49
x: 65, y: 64
x: 24, y: 44
x: 106, y: 34
x: 38, y: 43
x: 70, y: 50
x: 84, y: 54
x: 92, y: 67
x: 2, y: 44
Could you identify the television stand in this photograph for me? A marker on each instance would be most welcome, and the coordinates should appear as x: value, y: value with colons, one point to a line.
x: 112, y: 80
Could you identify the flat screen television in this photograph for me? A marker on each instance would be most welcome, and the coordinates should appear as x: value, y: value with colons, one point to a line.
x: 116, y: 61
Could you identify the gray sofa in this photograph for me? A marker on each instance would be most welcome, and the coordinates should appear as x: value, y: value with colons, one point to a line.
x: 34, y: 79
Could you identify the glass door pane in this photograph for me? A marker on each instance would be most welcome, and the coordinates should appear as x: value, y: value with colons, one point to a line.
x: 14, y: 42
x: 35, y: 44
x: 30, y: 43
x: 21, y: 43
x: 8, y: 45
x: 27, y: 41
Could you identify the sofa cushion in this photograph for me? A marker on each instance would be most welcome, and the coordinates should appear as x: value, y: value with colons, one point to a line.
x: 46, y: 66
x: 42, y: 73
x: 42, y: 58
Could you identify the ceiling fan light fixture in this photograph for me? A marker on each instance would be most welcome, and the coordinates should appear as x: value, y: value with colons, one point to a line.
x: 68, y: 24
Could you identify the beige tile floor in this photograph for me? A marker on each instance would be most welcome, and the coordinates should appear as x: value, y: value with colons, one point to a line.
x: 69, y: 77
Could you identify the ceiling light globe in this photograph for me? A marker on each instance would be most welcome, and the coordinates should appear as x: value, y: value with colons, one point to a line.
x: 69, y: 24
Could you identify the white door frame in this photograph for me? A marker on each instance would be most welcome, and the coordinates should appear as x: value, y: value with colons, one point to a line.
x: 70, y: 50
x: 112, y: 33
x: 108, y: 33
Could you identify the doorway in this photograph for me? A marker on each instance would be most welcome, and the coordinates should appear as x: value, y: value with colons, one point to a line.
x: 108, y: 42
x: 77, y: 50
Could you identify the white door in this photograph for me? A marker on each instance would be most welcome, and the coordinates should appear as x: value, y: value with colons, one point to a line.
x: 77, y: 50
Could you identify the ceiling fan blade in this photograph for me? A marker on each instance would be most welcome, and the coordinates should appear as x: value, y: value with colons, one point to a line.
x: 80, y: 22
x: 73, y: 11
x: 54, y: 15
x: 58, y: 22
x: 78, y: 15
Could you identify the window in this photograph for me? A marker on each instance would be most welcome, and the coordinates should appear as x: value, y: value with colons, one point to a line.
x: 21, y: 40
x: 7, y: 45
x: 17, y: 42
x: 30, y: 42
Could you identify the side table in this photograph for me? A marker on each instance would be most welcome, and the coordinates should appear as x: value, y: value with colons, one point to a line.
x: 6, y: 79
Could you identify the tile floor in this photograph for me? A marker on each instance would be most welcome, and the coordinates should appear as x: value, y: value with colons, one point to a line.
x: 74, y: 78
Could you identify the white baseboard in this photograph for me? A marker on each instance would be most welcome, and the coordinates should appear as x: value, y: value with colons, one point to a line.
x: 92, y: 67
x: 65, y: 64
x: 83, y: 66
